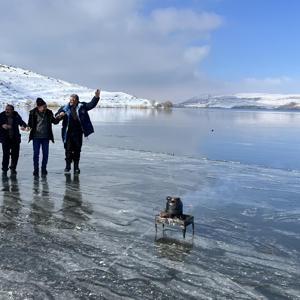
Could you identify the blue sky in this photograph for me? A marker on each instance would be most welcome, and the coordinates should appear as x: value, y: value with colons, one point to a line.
x: 155, y: 49
x: 258, y: 39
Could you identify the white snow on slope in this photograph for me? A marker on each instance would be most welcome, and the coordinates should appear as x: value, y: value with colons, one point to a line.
x: 246, y: 100
x: 21, y: 88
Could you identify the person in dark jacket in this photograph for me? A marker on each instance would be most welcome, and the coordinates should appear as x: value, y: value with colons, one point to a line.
x: 40, y: 121
x: 10, y: 137
x: 76, y: 123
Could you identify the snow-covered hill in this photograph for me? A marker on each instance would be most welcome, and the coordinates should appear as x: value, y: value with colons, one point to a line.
x: 21, y: 87
x: 246, y: 101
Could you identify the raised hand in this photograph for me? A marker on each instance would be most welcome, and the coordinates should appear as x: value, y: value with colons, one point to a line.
x: 97, y: 93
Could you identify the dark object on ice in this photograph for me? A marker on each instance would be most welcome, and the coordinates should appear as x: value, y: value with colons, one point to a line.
x: 173, y: 215
x: 173, y: 206
x: 183, y: 222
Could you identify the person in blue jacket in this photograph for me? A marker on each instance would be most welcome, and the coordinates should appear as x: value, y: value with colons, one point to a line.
x: 76, y: 123
x: 10, y: 137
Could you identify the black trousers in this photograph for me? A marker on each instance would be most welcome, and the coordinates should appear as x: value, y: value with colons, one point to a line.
x: 73, y: 147
x: 11, y: 149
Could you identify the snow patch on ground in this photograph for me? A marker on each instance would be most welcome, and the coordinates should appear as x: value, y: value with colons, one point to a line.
x: 246, y: 101
x: 21, y: 88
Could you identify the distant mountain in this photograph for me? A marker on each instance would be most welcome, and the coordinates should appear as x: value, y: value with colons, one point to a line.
x: 21, y: 87
x: 246, y: 101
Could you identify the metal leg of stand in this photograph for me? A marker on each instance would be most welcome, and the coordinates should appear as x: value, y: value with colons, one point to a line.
x: 193, y: 225
x: 184, y: 231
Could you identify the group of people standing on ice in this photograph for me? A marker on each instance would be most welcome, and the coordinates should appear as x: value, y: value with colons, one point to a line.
x: 75, y: 123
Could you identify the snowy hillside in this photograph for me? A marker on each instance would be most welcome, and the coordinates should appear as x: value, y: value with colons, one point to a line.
x: 21, y: 87
x: 246, y: 100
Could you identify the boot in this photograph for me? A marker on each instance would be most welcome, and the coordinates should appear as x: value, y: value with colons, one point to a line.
x: 44, y: 171
x: 68, y: 167
x: 13, y: 170
x: 76, y: 167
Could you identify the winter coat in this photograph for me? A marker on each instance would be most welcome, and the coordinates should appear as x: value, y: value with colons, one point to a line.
x: 17, y: 121
x: 32, y: 123
x: 82, y: 109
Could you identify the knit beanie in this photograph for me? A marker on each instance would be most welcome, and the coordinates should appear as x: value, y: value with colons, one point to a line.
x: 40, y: 102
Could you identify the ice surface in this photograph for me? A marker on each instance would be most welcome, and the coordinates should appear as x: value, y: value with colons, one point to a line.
x: 93, y: 236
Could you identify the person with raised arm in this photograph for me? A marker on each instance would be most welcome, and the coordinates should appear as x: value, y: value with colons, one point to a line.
x: 76, y: 124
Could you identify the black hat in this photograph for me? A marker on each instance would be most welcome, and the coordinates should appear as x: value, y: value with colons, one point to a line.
x: 40, y: 102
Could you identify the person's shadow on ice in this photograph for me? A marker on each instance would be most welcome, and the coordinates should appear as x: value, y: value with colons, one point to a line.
x: 75, y: 211
x: 41, y: 209
x: 11, y: 205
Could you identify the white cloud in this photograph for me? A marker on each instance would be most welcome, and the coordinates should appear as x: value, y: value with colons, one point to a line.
x: 109, y: 43
x: 278, y: 85
x: 194, y: 55
x: 104, y: 10
x: 273, y: 81
x: 184, y: 20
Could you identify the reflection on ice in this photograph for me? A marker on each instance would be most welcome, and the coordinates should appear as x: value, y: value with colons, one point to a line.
x: 172, y: 248
x: 108, y: 116
x: 74, y: 211
x: 11, y: 201
x: 42, y: 206
x: 262, y: 118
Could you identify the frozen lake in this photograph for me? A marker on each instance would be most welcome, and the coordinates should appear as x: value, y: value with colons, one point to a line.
x: 93, y: 236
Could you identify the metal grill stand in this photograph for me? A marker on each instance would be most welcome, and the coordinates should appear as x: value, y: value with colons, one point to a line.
x: 183, y: 222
